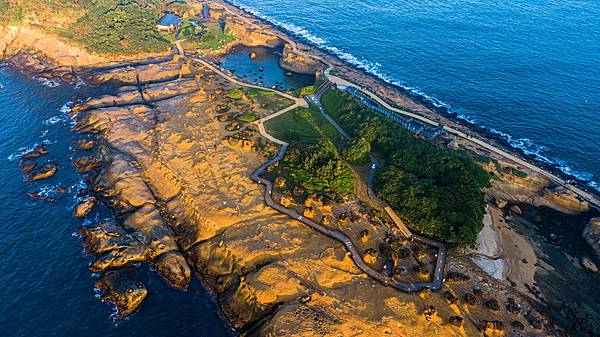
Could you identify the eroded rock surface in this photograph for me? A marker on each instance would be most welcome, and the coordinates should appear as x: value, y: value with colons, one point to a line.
x: 122, y: 290
x: 183, y: 194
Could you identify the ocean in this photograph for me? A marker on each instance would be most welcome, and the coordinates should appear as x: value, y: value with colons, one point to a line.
x: 526, y: 70
x: 46, y: 288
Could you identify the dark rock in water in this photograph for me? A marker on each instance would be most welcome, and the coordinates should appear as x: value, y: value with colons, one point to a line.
x: 46, y: 171
x: 456, y: 320
x: 122, y: 290
x: 86, y: 164
x: 517, y: 325
x: 253, y: 55
x: 85, y: 144
x: 39, y: 151
x: 84, y: 207
x: 27, y: 165
x: 492, y: 304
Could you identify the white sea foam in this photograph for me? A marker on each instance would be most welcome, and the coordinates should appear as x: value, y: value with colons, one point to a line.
x: 79, y: 83
x: 524, y: 144
x: 54, y: 120
x: 21, y: 152
x: 47, y: 82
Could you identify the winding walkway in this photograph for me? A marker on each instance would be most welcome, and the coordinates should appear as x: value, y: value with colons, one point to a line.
x: 335, y: 235
x: 338, y: 236
x: 590, y: 198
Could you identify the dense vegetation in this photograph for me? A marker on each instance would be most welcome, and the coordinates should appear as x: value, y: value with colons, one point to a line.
x: 122, y: 27
x: 436, y: 190
x: 102, y: 26
x: 313, y: 159
x: 318, y: 167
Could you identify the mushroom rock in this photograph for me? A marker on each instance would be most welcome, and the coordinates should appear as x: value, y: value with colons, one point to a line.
x: 253, y: 55
x: 122, y: 290
x: 84, y: 207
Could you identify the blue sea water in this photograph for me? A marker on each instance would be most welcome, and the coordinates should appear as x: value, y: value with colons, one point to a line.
x: 528, y: 70
x: 45, y: 286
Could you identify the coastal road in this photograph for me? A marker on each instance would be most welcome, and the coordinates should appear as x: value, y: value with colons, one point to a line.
x: 593, y: 200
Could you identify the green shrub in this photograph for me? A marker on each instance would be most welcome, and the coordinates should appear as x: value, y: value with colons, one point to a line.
x: 317, y: 167
x: 236, y: 94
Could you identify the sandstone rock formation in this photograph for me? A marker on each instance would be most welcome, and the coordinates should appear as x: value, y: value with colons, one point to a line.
x: 297, y: 63
x: 122, y: 290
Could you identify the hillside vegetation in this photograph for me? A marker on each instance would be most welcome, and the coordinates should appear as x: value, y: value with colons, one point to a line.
x: 118, y: 27
x: 439, y: 192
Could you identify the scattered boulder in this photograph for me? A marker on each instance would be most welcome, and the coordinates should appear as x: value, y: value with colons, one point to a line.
x: 517, y: 325
x: 46, y: 171
x: 122, y: 290
x: 456, y: 320
x: 450, y: 297
x: 84, y: 207
x: 470, y: 299
x: 454, y: 276
x: 492, y: 304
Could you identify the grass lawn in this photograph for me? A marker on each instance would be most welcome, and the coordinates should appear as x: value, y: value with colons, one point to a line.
x: 301, y: 126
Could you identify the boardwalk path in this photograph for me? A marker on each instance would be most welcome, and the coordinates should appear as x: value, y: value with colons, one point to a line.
x: 593, y: 200
x: 336, y: 235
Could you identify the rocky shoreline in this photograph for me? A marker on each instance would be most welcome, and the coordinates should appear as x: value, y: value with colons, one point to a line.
x: 178, y: 181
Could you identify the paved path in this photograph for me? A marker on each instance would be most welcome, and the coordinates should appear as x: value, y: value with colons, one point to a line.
x: 338, y: 236
x: 593, y: 200
x: 438, y: 275
x: 256, y: 176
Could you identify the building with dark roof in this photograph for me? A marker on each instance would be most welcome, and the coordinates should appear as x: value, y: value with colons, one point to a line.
x: 169, y: 23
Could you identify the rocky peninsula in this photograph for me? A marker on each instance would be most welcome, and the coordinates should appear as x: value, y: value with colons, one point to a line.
x: 170, y: 149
